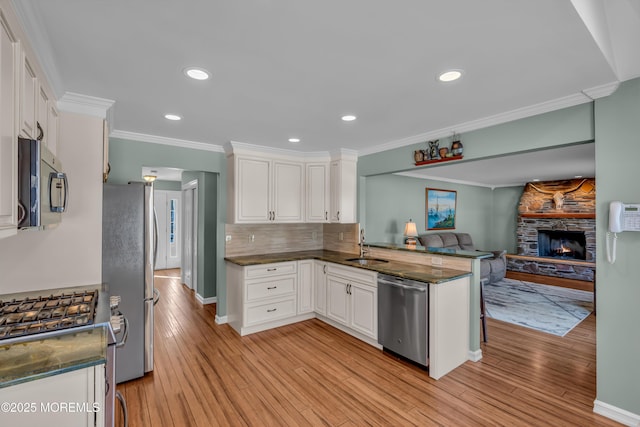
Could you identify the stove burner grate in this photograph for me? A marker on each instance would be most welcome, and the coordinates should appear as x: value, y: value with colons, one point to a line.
x: 46, y: 313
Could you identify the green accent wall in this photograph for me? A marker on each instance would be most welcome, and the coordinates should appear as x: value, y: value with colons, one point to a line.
x: 617, y: 127
x: 127, y: 159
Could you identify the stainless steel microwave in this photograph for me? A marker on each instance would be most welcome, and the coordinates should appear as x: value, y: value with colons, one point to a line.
x: 42, y: 186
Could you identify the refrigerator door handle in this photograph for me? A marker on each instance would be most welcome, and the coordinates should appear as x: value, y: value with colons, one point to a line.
x: 155, y: 237
x: 157, y: 296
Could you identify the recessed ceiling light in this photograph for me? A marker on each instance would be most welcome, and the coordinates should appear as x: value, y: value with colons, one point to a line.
x: 535, y: 179
x: 294, y: 140
x: 349, y: 118
x: 578, y: 176
x: 450, y: 75
x: 197, y: 73
x: 172, y: 117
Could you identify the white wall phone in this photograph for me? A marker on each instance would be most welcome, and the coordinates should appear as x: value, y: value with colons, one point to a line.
x: 622, y: 217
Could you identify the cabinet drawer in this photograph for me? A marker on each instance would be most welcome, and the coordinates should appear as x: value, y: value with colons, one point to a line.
x: 266, y: 270
x: 353, y: 273
x: 260, y: 313
x: 281, y: 285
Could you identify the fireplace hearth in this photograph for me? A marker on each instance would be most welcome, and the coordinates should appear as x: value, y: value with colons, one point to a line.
x: 562, y: 244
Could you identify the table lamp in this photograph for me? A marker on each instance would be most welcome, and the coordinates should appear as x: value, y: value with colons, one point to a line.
x: 411, y: 232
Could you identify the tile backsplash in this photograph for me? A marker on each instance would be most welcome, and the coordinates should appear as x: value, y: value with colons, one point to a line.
x: 252, y: 239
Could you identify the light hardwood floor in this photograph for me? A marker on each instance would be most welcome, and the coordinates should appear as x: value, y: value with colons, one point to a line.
x: 310, y: 373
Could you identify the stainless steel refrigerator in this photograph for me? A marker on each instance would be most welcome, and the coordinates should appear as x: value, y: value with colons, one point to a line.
x: 129, y: 239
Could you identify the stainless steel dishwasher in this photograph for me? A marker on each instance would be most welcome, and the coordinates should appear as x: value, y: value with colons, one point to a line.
x: 403, y: 317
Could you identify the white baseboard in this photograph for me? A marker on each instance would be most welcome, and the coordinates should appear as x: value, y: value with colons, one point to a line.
x: 475, y: 356
x: 210, y: 300
x: 620, y: 415
x: 221, y: 320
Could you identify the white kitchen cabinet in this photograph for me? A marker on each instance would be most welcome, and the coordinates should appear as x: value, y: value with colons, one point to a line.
x: 42, y: 115
x: 352, y: 299
x: 74, y: 399
x: 265, y: 296
x: 28, y: 99
x: 305, y: 286
x: 343, y: 188
x: 317, y: 194
x: 53, y: 120
x: 320, y: 287
x: 266, y: 190
x: 9, y: 59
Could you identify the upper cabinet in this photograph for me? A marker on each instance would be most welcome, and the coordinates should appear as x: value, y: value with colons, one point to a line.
x: 265, y: 190
x: 27, y: 109
x: 9, y: 50
x: 317, y: 197
x: 343, y: 184
x: 270, y: 188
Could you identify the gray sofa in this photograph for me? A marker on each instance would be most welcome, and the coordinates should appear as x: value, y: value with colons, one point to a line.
x: 493, y: 269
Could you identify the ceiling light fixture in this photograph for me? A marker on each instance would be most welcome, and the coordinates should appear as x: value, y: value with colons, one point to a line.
x: 294, y: 140
x: 196, y: 73
x: 348, y: 118
x: 173, y: 117
x: 450, y: 76
x: 149, y: 178
x: 578, y: 176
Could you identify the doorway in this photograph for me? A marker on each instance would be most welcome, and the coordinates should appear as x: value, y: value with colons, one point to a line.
x: 168, y: 212
x: 190, y: 234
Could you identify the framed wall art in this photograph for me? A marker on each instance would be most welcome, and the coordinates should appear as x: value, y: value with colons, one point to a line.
x: 440, y: 209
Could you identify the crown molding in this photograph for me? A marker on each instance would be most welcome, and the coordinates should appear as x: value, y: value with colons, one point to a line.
x: 418, y: 175
x: 236, y: 147
x: 153, y: 139
x: 38, y: 39
x: 87, y: 105
x: 602, y: 90
x: 509, y: 116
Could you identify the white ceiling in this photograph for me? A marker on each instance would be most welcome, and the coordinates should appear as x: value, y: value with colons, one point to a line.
x: 292, y: 68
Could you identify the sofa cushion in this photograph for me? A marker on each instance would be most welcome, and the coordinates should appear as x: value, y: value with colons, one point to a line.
x: 465, y: 242
x: 450, y: 240
x: 431, y: 240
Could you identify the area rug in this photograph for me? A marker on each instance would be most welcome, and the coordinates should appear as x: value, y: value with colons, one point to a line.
x: 549, y: 309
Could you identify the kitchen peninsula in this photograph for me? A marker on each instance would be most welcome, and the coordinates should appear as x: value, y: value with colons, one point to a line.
x: 341, y: 288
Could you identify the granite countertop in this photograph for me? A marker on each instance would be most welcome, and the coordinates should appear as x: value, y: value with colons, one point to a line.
x: 435, y: 251
x: 39, y: 358
x: 422, y: 273
x: 31, y: 357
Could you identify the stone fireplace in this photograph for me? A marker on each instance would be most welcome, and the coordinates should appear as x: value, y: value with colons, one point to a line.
x: 556, y: 230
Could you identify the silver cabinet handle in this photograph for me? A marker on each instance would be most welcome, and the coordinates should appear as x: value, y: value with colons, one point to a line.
x: 271, y: 310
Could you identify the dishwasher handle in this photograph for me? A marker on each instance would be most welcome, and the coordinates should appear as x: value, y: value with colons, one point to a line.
x: 403, y: 286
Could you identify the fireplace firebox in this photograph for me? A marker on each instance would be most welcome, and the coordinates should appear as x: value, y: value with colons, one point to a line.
x: 562, y: 244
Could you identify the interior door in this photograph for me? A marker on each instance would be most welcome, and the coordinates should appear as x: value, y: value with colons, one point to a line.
x: 168, y: 210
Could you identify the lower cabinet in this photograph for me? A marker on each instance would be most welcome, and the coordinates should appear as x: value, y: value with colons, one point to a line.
x: 305, y: 286
x: 265, y: 296
x: 73, y: 399
x: 352, y: 299
x: 320, y: 287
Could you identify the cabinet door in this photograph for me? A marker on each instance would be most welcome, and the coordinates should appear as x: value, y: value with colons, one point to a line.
x: 29, y: 91
x: 253, y: 190
x: 337, y: 299
x: 364, y: 309
x: 305, y: 286
x: 42, y: 117
x: 320, y: 287
x: 51, y: 134
x: 8, y: 137
x: 317, y: 208
x: 288, y: 192
x: 335, y: 191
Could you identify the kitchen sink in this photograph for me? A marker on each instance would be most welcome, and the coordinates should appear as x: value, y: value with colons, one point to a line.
x: 367, y: 261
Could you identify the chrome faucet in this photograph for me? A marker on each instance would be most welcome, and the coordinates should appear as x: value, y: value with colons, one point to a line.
x: 362, y: 250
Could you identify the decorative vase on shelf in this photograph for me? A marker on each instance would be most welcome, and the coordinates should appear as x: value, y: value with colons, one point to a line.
x: 443, y: 152
x: 418, y: 156
x: 456, y: 148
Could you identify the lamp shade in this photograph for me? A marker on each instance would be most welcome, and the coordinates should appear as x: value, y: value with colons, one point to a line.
x: 410, y: 229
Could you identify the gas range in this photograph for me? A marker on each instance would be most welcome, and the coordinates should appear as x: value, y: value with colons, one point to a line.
x: 33, y: 315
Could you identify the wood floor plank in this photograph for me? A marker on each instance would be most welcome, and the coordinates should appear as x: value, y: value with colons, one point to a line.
x: 311, y: 373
